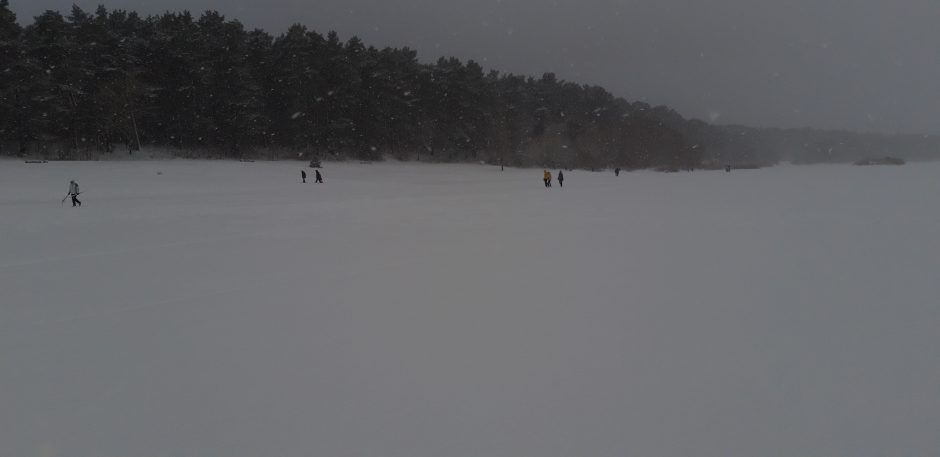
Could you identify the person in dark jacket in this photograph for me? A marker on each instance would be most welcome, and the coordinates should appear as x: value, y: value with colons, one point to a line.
x: 319, y: 177
x: 303, y: 176
x: 561, y: 179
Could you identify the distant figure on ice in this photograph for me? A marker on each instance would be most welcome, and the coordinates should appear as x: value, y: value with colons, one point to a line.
x: 73, y: 192
x: 727, y: 168
x: 547, y: 178
x: 303, y: 176
x: 319, y: 177
x: 617, y: 171
x: 561, y: 179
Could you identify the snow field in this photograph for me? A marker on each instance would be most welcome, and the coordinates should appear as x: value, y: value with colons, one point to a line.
x: 226, y: 309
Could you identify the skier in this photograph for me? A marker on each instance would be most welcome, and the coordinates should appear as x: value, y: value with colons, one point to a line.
x: 319, y: 177
x: 547, y: 178
x: 73, y: 192
x: 561, y: 179
x: 303, y: 176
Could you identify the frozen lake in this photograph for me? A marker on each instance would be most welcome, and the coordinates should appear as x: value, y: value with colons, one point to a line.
x: 412, y: 310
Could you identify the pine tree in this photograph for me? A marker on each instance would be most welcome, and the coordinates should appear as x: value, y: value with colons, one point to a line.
x: 11, y: 75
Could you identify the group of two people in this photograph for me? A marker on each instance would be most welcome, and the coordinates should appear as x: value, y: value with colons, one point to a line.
x: 547, y: 178
x: 318, y: 176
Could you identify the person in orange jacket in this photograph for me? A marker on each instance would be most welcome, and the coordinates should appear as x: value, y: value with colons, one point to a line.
x: 547, y: 178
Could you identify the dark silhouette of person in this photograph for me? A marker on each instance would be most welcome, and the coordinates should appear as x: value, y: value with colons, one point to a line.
x: 73, y: 192
x: 617, y: 171
x: 303, y: 175
x: 319, y: 177
x: 561, y: 179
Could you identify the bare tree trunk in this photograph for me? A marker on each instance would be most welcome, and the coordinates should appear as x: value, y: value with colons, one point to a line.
x: 136, y: 133
x: 72, y: 123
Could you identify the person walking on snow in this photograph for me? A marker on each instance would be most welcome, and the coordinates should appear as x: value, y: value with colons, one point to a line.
x: 303, y: 176
x: 319, y: 177
x: 73, y: 192
x: 547, y: 178
x: 561, y: 179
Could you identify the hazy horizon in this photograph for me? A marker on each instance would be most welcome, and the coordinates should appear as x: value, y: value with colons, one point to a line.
x: 861, y: 66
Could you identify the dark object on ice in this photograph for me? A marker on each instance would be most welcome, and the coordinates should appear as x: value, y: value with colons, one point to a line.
x: 303, y: 176
x: 315, y: 163
x: 617, y: 171
x: 561, y: 179
x: 246, y: 160
x: 37, y: 161
x: 727, y: 168
x: 319, y: 177
x: 881, y: 161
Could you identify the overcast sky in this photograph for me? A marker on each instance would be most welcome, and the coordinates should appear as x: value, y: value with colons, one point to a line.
x: 866, y: 65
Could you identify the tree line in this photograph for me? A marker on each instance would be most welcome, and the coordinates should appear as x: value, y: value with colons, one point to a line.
x: 111, y: 82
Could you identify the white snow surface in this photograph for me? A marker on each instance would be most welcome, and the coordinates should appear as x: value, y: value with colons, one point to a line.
x: 412, y: 310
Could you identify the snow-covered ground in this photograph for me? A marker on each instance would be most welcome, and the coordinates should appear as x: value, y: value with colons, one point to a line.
x: 411, y: 310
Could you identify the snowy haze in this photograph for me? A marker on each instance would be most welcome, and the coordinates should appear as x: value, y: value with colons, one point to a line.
x: 225, y: 309
x: 866, y: 65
